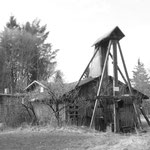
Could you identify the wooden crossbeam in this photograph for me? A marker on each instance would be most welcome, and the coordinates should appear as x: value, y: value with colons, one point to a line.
x: 117, y: 97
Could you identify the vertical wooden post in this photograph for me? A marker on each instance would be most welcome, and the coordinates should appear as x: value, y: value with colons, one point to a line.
x: 120, y: 71
x: 115, y: 83
x: 100, y: 84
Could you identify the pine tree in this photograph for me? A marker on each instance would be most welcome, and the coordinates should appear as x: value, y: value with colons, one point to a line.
x: 141, y: 80
x: 42, y: 62
x: 12, y: 24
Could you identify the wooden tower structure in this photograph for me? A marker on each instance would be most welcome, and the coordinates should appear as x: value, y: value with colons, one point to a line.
x: 103, y: 47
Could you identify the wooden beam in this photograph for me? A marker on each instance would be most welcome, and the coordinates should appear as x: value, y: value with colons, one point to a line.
x: 125, y: 68
x: 101, y: 80
x: 129, y: 84
x: 110, y: 101
x: 115, y: 85
x: 116, y: 97
x: 87, y: 66
x: 123, y: 77
x: 144, y: 114
x: 103, y: 71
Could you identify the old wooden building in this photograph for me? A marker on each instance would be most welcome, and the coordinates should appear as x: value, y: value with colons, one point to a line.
x: 102, y: 99
x: 81, y: 108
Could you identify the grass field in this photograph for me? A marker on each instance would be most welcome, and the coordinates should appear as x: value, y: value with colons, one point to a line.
x: 71, y: 138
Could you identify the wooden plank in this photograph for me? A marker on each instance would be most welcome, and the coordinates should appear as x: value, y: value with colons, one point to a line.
x: 100, y: 84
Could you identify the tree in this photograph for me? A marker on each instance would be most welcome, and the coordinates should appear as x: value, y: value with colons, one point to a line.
x: 10, y: 54
x: 25, y: 55
x: 141, y: 80
x: 51, y: 96
x: 12, y: 24
x: 55, y: 96
x: 56, y: 91
x: 42, y: 60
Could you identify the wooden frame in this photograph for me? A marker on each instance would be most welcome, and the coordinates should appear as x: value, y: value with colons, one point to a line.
x: 112, y: 39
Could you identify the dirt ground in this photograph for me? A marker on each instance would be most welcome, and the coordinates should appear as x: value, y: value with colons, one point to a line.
x: 71, y: 139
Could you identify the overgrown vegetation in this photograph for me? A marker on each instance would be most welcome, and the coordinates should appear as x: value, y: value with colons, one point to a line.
x: 54, y: 97
x: 25, y: 56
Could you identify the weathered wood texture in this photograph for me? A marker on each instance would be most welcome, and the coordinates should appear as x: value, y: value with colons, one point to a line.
x: 104, y: 112
x: 104, y: 74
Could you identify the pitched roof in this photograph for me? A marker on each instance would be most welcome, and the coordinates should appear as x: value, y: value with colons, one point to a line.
x: 35, y: 82
x: 115, y: 33
x: 52, y: 89
x: 89, y: 80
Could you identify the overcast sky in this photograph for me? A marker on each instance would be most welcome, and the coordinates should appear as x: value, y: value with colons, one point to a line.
x: 75, y: 25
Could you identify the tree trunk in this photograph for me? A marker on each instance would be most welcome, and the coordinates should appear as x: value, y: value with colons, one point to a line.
x: 57, y: 114
x: 12, y: 80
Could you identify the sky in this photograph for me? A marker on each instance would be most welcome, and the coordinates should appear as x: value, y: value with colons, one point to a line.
x: 75, y: 25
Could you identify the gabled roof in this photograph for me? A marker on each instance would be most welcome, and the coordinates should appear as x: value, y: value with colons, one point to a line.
x: 89, y: 80
x: 116, y: 33
x: 33, y: 83
x: 52, y: 90
x: 72, y: 85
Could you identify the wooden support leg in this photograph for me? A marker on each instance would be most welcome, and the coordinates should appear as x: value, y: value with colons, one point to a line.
x: 115, y: 117
x: 144, y: 114
x: 125, y: 69
x: 137, y: 116
x: 94, y: 110
x: 129, y: 84
x: 115, y: 83
x: 100, y: 84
